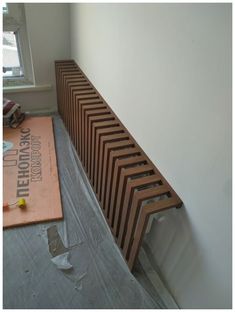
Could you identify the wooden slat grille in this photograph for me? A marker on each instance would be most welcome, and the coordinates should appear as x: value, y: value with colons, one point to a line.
x: 127, y: 185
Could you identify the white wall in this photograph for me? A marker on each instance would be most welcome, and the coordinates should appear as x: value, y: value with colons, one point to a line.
x: 165, y: 69
x: 48, y: 31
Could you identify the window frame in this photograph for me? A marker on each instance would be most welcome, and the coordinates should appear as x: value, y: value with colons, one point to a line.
x: 16, y: 34
x: 14, y: 20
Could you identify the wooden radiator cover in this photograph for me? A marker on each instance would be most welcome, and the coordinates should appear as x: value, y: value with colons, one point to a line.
x: 127, y: 185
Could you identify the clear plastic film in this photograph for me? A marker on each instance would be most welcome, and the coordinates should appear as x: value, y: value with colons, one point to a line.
x: 96, y: 275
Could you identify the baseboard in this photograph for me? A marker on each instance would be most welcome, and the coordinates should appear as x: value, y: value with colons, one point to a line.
x: 156, y: 280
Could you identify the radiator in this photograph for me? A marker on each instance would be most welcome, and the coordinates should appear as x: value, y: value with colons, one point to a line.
x: 128, y: 187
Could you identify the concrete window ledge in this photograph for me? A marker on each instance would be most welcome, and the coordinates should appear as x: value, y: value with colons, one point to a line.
x: 27, y: 88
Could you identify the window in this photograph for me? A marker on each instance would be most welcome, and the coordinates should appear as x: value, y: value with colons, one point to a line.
x: 4, y: 8
x: 12, y: 59
x: 17, y: 65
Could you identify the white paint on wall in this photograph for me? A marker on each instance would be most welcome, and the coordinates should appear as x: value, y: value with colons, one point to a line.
x: 165, y: 69
x: 48, y: 32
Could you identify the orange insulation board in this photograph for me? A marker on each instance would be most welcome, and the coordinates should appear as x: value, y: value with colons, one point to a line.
x: 30, y: 172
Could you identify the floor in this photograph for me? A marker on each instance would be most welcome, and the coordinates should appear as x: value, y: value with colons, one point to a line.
x: 99, y: 277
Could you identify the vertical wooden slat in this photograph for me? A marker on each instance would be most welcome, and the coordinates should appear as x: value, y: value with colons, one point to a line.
x: 103, y: 114
x: 89, y: 102
x: 96, y: 126
x: 108, y: 139
x: 115, y: 156
x: 114, y: 170
x: 117, y: 205
x: 95, y: 146
x: 85, y: 108
x: 138, y: 198
x: 132, y: 185
x: 88, y: 133
x: 143, y: 221
x: 71, y: 99
x: 104, y: 162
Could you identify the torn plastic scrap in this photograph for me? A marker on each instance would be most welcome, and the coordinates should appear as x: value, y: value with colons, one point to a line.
x: 57, y: 249
x: 61, y: 261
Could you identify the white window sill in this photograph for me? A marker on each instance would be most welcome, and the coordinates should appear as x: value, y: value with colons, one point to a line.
x: 25, y: 88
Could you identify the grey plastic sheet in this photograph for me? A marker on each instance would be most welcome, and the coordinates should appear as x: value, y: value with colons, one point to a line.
x: 98, y: 276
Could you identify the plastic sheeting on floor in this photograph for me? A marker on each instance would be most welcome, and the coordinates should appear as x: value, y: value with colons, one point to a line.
x: 94, y: 275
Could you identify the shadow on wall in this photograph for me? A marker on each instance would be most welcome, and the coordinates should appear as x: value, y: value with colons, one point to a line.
x: 173, y: 250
